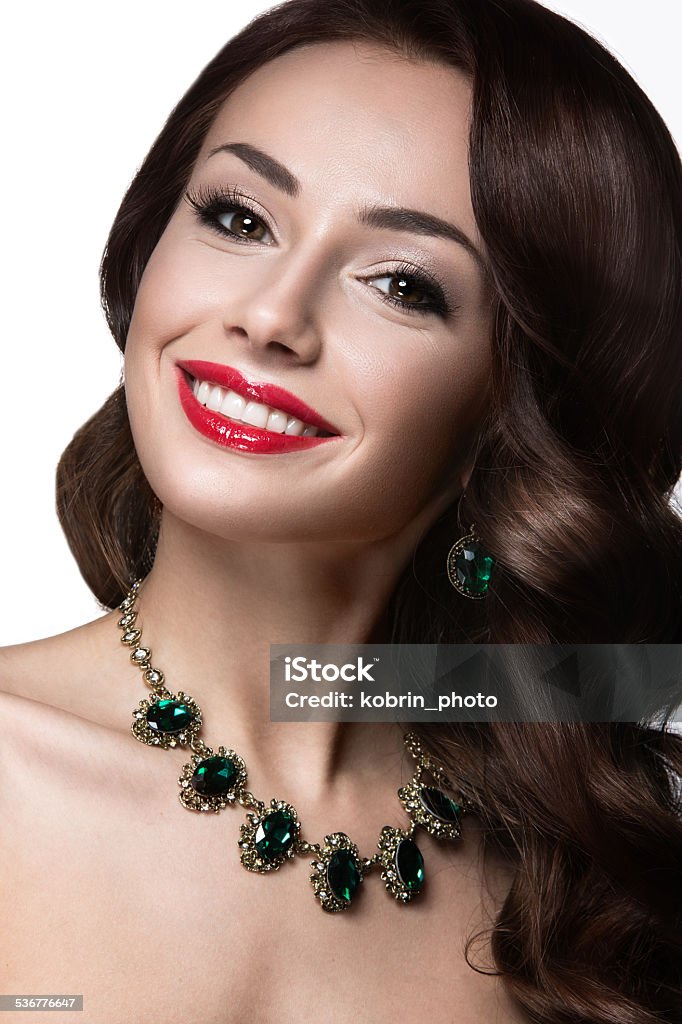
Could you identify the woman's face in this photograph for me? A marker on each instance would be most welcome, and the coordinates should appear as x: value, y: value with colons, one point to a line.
x: 296, y: 292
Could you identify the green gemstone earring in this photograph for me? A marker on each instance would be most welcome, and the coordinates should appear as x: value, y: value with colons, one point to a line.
x: 469, y: 566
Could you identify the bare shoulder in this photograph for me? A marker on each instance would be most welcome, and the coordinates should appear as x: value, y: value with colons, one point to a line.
x: 34, y: 700
x: 55, y: 697
x: 59, y: 704
x: 62, y: 708
x: 85, y: 811
x: 60, y: 672
x: 22, y: 666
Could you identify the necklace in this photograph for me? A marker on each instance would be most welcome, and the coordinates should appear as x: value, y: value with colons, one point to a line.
x: 211, y: 781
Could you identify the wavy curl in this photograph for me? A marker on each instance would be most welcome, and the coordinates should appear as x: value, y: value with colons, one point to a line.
x: 577, y: 189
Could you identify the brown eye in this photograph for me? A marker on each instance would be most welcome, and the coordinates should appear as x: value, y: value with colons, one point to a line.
x: 405, y: 290
x: 228, y: 212
x: 412, y: 292
x: 243, y: 224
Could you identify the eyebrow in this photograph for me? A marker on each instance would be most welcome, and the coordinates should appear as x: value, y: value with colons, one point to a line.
x: 395, y: 218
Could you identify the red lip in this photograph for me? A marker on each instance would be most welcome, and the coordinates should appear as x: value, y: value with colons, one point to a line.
x: 267, y: 394
x: 230, y: 433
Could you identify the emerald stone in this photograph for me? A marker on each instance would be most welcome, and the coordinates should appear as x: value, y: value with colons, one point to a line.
x: 439, y: 805
x: 473, y: 567
x: 214, y: 776
x: 171, y: 716
x: 410, y: 864
x: 343, y: 876
x: 274, y: 835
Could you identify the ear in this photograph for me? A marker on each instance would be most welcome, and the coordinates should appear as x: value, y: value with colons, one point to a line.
x: 466, y: 474
x: 468, y: 465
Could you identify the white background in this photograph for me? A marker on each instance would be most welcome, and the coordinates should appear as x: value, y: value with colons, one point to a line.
x: 84, y: 90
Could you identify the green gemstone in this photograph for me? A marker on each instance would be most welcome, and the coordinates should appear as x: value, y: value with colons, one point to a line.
x: 410, y: 864
x: 473, y: 567
x: 171, y: 716
x: 214, y: 776
x: 439, y: 805
x: 343, y: 876
x: 274, y: 835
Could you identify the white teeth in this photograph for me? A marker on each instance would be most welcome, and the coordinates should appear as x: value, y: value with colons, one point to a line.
x: 277, y: 421
x: 256, y: 414
x: 294, y: 426
x: 233, y: 405
x: 230, y: 404
x: 215, y: 398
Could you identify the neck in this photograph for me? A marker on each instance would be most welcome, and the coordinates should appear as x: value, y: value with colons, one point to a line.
x: 210, y: 608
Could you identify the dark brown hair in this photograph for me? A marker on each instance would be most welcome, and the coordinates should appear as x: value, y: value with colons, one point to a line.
x: 576, y: 189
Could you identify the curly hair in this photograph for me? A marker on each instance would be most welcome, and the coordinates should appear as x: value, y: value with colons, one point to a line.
x: 576, y: 189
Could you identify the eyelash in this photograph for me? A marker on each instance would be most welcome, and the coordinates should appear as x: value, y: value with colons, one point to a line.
x: 209, y: 202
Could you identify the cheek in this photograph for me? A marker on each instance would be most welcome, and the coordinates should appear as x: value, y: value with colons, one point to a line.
x: 175, y: 295
x: 423, y: 405
x: 177, y: 292
x: 165, y: 308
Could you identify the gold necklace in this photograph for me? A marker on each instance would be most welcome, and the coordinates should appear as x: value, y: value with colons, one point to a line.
x: 272, y: 833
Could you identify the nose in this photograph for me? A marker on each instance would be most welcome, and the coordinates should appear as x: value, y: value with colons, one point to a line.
x: 274, y: 308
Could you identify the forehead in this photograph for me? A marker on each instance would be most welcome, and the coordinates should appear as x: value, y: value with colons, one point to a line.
x: 352, y: 118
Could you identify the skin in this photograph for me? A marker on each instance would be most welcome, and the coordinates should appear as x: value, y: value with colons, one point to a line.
x: 254, y: 550
x: 307, y: 546
x: 257, y: 549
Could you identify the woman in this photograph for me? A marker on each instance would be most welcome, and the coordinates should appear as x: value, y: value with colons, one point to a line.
x: 448, y: 235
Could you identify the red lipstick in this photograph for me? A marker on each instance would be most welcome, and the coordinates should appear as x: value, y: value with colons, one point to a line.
x: 243, y: 436
x: 267, y: 394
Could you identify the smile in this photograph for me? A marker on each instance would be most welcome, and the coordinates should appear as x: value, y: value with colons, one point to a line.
x: 235, y: 407
x: 237, y: 421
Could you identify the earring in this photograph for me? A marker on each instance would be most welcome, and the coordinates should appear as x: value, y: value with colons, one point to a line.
x: 469, y: 566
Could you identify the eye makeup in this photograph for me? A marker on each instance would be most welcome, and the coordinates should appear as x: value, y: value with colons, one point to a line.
x: 212, y: 205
